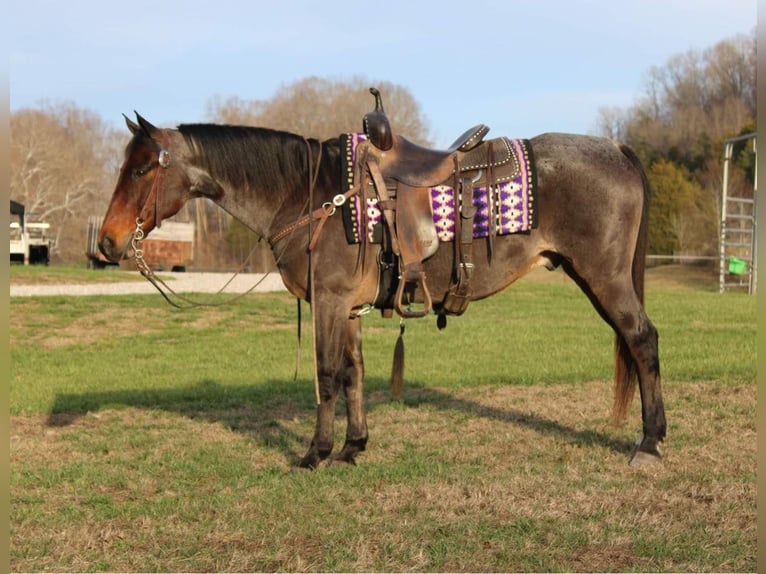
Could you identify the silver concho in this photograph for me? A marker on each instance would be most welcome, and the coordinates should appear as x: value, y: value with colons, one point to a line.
x: 164, y: 159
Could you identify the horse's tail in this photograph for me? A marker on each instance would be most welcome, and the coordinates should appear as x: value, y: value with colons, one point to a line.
x: 625, y: 375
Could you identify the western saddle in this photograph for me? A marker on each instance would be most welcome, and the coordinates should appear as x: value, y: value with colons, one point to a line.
x: 402, y: 174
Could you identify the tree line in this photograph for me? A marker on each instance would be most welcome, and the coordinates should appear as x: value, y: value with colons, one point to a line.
x: 678, y: 126
x: 64, y: 159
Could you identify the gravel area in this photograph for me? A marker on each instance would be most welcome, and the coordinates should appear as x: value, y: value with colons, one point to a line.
x: 179, y: 282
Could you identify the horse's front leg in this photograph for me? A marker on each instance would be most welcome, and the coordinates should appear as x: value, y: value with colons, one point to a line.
x: 329, y: 347
x: 353, y: 379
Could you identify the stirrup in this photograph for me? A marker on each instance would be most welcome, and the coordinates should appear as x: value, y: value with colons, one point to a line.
x: 407, y: 281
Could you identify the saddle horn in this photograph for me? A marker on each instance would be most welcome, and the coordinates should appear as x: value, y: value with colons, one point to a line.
x: 376, y: 124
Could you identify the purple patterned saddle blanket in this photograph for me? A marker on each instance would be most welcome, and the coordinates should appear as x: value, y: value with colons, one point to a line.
x: 513, y: 200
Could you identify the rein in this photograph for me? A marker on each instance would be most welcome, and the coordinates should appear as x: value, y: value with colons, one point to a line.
x: 159, y: 283
x: 152, y: 203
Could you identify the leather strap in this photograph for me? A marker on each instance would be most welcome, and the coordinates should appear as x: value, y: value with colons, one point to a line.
x: 457, y: 244
x: 384, y: 202
x: 153, y: 199
x: 322, y: 213
x: 460, y: 290
x: 319, y: 213
x: 490, y: 201
x: 327, y: 210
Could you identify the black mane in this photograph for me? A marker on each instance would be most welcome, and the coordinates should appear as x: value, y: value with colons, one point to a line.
x: 260, y: 158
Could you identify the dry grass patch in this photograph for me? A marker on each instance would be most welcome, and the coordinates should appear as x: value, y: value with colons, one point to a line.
x: 491, y: 479
x: 675, y: 276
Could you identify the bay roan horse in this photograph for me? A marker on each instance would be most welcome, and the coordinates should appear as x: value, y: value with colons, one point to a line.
x: 592, y: 209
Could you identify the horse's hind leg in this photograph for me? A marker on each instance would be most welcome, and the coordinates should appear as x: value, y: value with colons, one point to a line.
x: 617, y: 302
x: 641, y: 338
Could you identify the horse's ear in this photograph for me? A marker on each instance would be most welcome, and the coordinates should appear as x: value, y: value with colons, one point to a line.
x: 132, y: 126
x: 148, y: 128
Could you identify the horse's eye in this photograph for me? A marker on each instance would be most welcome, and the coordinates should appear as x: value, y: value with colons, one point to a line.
x: 139, y: 172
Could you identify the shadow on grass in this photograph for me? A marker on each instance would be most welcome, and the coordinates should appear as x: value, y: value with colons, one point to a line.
x: 444, y: 401
x: 257, y: 411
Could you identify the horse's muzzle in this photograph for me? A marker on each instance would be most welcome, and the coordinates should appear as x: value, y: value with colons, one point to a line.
x: 109, y: 249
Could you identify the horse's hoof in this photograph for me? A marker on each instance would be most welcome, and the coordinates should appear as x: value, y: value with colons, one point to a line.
x: 345, y: 456
x: 645, y: 452
x: 309, y: 462
x: 641, y: 458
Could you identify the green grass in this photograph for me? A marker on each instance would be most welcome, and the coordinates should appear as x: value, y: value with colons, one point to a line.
x: 79, y: 348
x: 39, y: 274
x: 147, y: 438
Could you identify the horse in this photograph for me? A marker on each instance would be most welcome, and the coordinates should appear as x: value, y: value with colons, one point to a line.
x: 592, y: 210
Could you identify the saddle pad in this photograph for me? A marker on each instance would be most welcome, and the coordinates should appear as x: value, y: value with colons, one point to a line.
x: 514, y: 202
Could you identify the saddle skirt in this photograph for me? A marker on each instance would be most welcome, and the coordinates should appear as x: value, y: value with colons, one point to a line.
x: 512, y: 198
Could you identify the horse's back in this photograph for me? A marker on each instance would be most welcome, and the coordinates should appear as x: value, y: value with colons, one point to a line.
x: 586, y: 185
x: 590, y: 199
x: 582, y: 157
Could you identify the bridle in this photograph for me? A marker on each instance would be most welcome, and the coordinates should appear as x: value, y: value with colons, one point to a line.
x: 163, y: 160
x: 152, y: 202
x: 152, y: 205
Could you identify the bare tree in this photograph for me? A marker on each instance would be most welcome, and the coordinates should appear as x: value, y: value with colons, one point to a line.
x: 612, y: 122
x: 688, y: 108
x: 696, y: 99
x: 63, y: 161
x: 316, y: 107
x: 324, y: 108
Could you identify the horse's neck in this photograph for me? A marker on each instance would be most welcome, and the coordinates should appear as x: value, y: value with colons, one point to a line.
x: 265, y: 210
x: 259, y: 210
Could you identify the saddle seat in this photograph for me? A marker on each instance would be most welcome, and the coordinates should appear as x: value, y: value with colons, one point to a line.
x: 419, y: 166
x: 407, y: 162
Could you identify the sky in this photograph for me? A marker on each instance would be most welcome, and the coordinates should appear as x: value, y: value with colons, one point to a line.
x: 523, y: 67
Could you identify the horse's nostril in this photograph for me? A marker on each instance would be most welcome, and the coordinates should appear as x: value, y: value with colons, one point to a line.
x: 106, y: 245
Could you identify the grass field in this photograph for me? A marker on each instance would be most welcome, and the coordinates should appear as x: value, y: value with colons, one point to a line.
x: 144, y: 438
x: 63, y: 275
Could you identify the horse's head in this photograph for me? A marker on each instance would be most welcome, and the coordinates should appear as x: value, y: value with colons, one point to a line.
x: 151, y: 186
